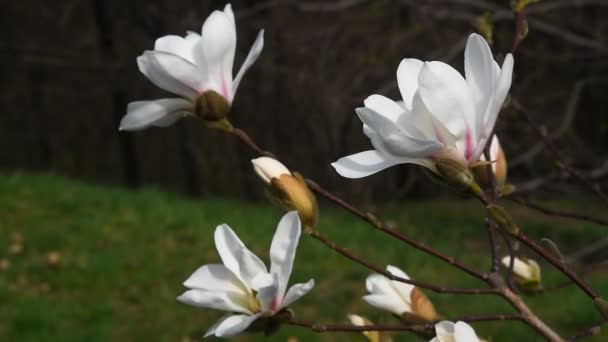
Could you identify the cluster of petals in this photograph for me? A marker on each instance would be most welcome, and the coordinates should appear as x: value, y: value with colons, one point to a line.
x: 443, y: 114
x: 188, y: 67
x: 526, y: 271
x: 242, y: 285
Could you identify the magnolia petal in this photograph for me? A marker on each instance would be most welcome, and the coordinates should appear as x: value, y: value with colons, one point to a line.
x: 296, y: 292
x: 171, y: 73
x: 163, y: 112
x: 252, y: 56
x: 211, y: 330
x: 384, y: 106
x: 486, y: 126
x: 215, y: 300
x: 267, y: 296
x: 444, y: 328
x: 182, y: 47
x: 390, y: 139
x: 215, y: 52
x: 407, y: 78
x: 448, y: 96
x: 251, y: 269
x: 464, y: 333
x: 234, y: 325
x: 283, y: 249
x: 215, y: 277
x: 520, y: 268
x: 379, y: 284
x: 362, y: 164
x: 479, y: 72
x: 228, y: 245
x: 405, y: 290
x: 387, y: 303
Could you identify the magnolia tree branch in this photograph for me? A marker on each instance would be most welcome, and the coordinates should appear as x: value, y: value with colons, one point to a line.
x: 345, y: 252
x: 495, y: 280
x: 561, y: 213
x: 557, y: 155
x: 321, y: 328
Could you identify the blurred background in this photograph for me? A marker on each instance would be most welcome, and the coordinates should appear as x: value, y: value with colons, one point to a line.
x: 87, y: 258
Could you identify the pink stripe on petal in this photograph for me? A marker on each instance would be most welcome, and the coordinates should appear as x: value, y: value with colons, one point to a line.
x: 469, y: 148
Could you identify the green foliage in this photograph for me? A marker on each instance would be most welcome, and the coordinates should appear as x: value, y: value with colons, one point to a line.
x: 122, y: 257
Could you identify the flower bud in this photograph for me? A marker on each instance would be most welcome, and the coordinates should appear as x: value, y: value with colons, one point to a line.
x: 527, y: 271
x: 372, y: 336
x: 499, y: 166
x: 212, y: 108
x: 287, y: 190
x: 422, y: 306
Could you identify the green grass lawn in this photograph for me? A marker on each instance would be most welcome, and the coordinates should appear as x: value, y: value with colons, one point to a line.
x: 100, y: 264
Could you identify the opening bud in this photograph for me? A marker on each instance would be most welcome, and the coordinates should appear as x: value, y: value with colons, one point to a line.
x: 288, y: 190
x: 213, y: 108
x: 499, y: 166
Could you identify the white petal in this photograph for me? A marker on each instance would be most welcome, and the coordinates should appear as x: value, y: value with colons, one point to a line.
x: 143, y: 114
x: 405, y: 290
x: 479, y: 70
x: 171, y: 73
x: 465, y: 333
x: 228, y: 245
x: 387, y: 303
x: 252, y: 270
x: 211, y: 330
x: 296, y: 292
x: 268, y: 168
x: 267, y: 296
x: 215, y: 277
x: 520, y: 268
x: 444, y: 328
x: 389, y: 139
x: 362, y: 164
x: 215, y: 52
x: 378, y: 284
x: 448, y: 96
x: 283, y: 249
x: 252, y: 56
x: 234, y: 325
x: 384, y: 106
x: 182, y: 47
x: 407, y: 78
x: 215, y: 300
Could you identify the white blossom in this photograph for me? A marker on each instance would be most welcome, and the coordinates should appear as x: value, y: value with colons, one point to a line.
x: 443, y: 115
x: 188, y: 67
x: 242, y: 285
x: 454, y: 332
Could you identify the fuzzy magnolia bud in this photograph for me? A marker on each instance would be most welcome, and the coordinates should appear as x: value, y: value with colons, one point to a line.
x: 289, y: 190
x: 213, y: 108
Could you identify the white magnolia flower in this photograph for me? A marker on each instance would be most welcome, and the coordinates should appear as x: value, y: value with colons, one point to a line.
x: 454, y: 332
x: 188, y: 67
x: 243, y: 285
x: 397, y: 297
x: 526, y: 272
x: 444, y: 116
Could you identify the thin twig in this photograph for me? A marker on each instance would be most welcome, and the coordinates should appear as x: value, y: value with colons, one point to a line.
x: 371, y: 219
x: 401, y: 327
x: 560, y: 213
x: 591, y: 331
x: 345, y: 252
x: 557, y: 155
